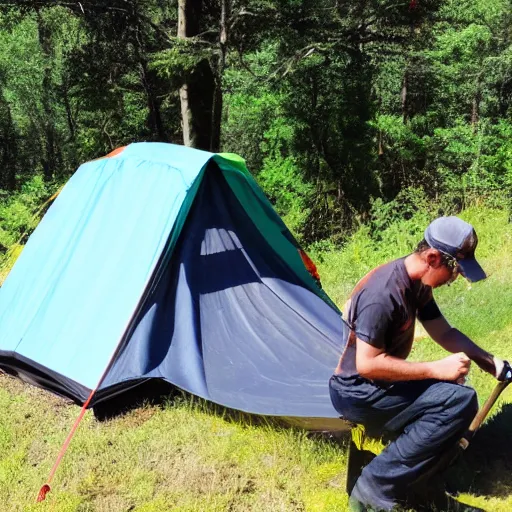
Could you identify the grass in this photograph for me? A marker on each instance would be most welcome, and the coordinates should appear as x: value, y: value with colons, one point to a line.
x: 173, y: 458
x: 186, y: 456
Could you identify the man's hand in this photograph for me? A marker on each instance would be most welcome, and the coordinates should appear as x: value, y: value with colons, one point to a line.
x: 503, y: 369
x: 451, y: 368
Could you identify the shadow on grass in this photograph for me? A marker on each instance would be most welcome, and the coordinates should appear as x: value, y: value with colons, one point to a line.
x: 158, y: 393
x: 485, y: 467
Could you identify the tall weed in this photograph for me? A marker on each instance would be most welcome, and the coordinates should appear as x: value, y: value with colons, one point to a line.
x: 394, y: 230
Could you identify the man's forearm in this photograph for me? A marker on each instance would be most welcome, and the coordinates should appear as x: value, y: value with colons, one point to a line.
x: 456, y: 341
x: 388, y: 368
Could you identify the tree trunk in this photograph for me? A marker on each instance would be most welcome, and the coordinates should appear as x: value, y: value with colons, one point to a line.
x: 217, y: 99
x: 189, y: 136
x: 475, y: 109
x: 403, y: 96
x: 69, y: 111
x: 381, y: 147
x: 154, y: 118
x: 49, y: 161
x: 198, y: 89
x: 8, y: 150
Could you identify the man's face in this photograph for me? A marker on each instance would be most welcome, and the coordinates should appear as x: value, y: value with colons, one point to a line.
x: 442, y: 270
x: 453, y: 269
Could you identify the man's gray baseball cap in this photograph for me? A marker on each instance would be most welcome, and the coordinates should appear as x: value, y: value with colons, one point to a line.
x: 458, y: 239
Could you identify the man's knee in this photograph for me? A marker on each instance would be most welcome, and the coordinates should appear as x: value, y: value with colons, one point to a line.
x: 466, y: 402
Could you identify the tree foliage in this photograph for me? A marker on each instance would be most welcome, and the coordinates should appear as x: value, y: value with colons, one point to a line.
x: 339, y: 107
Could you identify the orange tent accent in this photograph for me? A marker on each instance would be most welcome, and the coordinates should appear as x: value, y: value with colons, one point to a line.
x: 310, y: 266
x: 115, y: 152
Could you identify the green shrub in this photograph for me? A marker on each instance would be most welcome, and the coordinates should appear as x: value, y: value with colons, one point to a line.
x: 19, y: 215
x: 17, y: 212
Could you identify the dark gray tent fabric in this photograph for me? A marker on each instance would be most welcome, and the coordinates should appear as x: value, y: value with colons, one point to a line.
x: 230, y: 322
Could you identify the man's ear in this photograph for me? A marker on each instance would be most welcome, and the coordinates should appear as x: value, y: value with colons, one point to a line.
x: 433, y: 257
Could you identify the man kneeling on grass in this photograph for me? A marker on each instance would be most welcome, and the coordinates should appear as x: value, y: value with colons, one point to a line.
x: 425, y: 404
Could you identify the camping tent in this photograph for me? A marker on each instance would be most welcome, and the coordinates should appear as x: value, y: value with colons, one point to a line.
x: 165, y: 262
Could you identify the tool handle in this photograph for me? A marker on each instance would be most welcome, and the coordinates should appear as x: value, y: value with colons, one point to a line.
x: 484, y: 410
x: 482, y: 413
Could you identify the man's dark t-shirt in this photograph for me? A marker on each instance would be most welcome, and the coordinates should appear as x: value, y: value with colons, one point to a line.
x: 382, y: 312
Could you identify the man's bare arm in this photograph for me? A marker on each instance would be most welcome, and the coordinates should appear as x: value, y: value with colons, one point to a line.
x: 374, y: 364
x: 453, y: 340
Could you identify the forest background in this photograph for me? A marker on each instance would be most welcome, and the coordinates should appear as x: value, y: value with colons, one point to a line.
x: 348, y: 113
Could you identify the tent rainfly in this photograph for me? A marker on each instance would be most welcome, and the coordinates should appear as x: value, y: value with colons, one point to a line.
x: 165, y: 262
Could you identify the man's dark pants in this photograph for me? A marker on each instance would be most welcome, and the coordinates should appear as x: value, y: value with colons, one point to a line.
x: 426, y: 415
